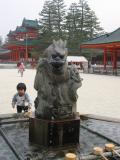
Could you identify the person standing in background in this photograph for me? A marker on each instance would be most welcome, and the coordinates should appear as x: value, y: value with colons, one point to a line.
x: 21, y: 69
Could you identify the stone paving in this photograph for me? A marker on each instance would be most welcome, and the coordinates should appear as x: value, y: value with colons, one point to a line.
x: 98, y: 95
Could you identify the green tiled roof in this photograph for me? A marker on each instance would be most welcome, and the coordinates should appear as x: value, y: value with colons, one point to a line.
x: 11, y: 33
x: 30, y: 23
x: 107, y: 38
x: 21, y: 29
x: 23, y: 43
x: 26, y: 24
x: 4, y: 51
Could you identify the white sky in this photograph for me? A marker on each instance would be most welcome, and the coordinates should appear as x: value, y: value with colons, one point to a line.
x: 12, y: 12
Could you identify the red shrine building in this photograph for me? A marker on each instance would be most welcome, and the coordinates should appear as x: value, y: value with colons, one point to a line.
x: 21, y: 41
x: 110, y: 46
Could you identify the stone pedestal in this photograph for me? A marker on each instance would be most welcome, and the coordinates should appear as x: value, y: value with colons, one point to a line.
x: 54, y: 133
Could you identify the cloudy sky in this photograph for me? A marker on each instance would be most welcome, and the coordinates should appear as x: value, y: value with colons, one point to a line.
x: 12, y: 12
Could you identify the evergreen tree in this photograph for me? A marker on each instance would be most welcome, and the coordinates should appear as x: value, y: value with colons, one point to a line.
x: 72, y: 26
x: 78, y: 25
x: 0, y: 41
x: 81, y: 24
x: 89, y: 24
x: 59, y: 17
x: 47, y: 21
x: 72, y: 20
x: 93, y: 26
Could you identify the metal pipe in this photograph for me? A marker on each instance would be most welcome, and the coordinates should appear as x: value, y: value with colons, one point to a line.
x: 14, y: 121
x: 94, y: 132
x: 7, y: 140
x: 2, y: 118
x: 101, y: 118
x: 6, y: 116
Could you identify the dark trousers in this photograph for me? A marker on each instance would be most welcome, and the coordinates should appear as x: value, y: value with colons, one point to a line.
x: 22, y: 108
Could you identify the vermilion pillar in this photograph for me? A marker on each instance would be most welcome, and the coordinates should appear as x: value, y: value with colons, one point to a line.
x: 115, y: 59
x: 12, y: 55
x: 19, y: 55
x: 26, y: 55
x: 16, y: 55
x: 111, y: 55
x: 105, y: 58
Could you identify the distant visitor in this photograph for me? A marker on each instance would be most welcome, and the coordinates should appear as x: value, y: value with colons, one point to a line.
x: 21, y: 68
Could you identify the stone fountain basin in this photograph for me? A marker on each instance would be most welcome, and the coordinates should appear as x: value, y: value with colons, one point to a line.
x: 93, y: 132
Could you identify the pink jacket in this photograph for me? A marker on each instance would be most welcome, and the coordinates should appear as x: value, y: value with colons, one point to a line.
x: 21, y: 67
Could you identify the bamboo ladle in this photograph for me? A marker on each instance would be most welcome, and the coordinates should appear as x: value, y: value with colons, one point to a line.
x: 99, y: 152
x: 111, y: 148
x: 70, y: 156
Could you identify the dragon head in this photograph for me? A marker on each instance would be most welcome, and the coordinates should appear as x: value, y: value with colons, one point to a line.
x: 56, y: 55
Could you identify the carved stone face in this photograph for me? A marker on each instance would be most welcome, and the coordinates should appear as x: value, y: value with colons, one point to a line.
x: 56, y: 56
x: 58, y: 61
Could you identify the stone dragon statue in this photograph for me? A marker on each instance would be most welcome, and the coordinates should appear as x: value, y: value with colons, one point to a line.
x: 56, y: 84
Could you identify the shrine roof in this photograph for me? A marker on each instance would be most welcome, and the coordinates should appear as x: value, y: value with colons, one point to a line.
x: 11, y: 33
x: 4, y: 51
x: 105, y: 39
x: 21, y: 29
x: 26, y: 24
x: 23, y: 43
x: 30, y: 23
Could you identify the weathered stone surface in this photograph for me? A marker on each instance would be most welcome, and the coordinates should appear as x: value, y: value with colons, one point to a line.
x: 56, y: 84
x: 5, y: 152
x: 19, y: 135
x: 54, y: 133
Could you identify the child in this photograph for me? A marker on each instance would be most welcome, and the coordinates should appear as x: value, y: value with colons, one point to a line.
x: 21, y: 69
x: 21, y: 99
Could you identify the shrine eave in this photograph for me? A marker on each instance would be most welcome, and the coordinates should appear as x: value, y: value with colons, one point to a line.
x: 113, y: 45
x: 109, y: 40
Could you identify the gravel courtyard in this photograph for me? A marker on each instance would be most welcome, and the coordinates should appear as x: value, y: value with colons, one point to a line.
x: 98, y: 95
